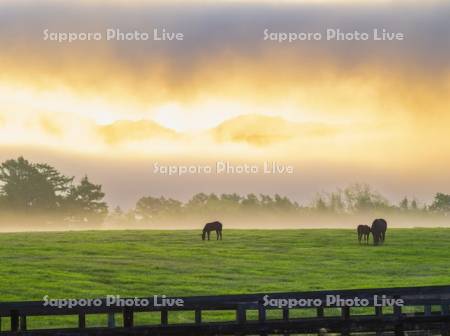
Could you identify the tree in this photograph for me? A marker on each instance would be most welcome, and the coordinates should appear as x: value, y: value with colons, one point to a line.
x: 267, y: 202
x: 150, y: 207
x: 118, y: 211
x: 404, y: 204
x: 360, y: 197
x: 441, y: 203
x: 319, y: 204
x: 336, y: 201
x: 251, y: 202
x: 284, y: 204
x: 205, y: 204
x: 29, y: 187
x: 85, y: 201
x: 198, y: 201
x: 230, y: 202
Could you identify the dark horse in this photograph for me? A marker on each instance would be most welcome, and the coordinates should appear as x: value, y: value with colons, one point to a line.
x: 363, y: 233
x: 379, y: 227
x: 214, y: 226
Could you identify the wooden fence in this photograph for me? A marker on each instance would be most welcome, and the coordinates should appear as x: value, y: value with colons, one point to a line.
x: 424, y: 309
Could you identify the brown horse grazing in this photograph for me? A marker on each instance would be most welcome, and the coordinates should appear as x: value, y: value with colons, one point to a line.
x: 363, y: 233
x: 379, y: 227
x: 213, y: 226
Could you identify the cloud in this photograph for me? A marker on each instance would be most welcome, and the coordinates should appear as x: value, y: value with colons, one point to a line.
x: 134, y: 131
x: 251, y: 129
x: 224, y: 69
x: 50, y: 126
x: 262, y: 130
x: 216, y: 39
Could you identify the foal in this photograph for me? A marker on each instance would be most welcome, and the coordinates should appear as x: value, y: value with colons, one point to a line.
x: 363, y: 233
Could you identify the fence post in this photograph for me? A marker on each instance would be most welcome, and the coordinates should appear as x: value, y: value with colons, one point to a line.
x: 127, y: 318
x: 320, y: 312
x: 164, y: 317
x: 398, y: 312
x: 23, y: 322
x: 81, y: 321
x: 198, y: 316
x: 345, y: 315
x: 262, y: 319
x: 378, y: 311
x: 241, y: 314
x: 111, y: 320
x: 445, y: 326
x: 399, y: 324
x: 379, y: 314
x: 286, y: 318
x: 262, y: 314
x: 14, y: 320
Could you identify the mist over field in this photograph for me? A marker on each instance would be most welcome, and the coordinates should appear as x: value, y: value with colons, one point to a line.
x: 257, y: 221
x: 306, y: 218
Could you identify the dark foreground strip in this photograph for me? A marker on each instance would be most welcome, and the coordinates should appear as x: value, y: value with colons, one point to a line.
x: 293, y: 326
x: 432, y: 302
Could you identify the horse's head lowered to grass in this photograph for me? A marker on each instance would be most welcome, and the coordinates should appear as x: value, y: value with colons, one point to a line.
x: 378, y: 229
x: 213, y: 226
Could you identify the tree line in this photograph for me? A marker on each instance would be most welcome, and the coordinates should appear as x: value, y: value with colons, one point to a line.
x: 357, y: 198
x: 38, y: 189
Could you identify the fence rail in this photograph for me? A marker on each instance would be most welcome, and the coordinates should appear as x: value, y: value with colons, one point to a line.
x: 431, y: 312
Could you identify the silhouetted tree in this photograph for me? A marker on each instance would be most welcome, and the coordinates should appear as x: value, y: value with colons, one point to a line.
x: 85, y: 202
x: 404, y: 204
x: 250, y: 202
x: 205, y: 204
x: 118, y: 211
x: 336, y: 201
x: 284, y: 204
x: 360, y: 197
x: 28, y: 187
x: 441, y: 203
x: 150, y: 207
x: 198, y: 201
x: 319, y: 204
x: 230, y: 202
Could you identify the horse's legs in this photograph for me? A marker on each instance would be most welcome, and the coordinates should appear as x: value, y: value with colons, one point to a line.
x: 376, y: 238
x: 382, y: 234
x: 217, y: 234
x: 209, y: 233
x: 359, y: 237
x: 220, y: 233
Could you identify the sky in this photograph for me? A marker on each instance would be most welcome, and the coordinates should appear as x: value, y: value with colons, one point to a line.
x: 338, y: 111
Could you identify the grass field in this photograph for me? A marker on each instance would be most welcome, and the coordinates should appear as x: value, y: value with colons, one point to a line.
x: 178, y: 263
